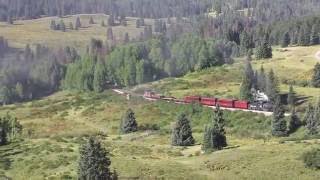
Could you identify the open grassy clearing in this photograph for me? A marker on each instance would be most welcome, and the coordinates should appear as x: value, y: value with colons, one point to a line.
x: 54, y: 127
x: 292, y: 64
x: 38, y: 31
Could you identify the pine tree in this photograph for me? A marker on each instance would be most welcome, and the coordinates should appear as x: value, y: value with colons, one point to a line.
x: 111, y: 20
x: 182, y: 132
x: 94, y: 162
x: 62, y: 26
x: 294, y: 121
x: 3, y: 132
x: 78, y: 24
x: 312, y: 119
x: 291, y: 96
x: 261, y: 80
x: 285, y: 40
x: 126, y: 38
x: 71, y: 26
x: 272, y: 86
x: 203, y: 57
x: 214, y: 134
x: 53, y: 25
x: 264, y: 50
x: 279, y: 124
x: 128, y: 123
x: 247, y: 82
x: 99, y: 77
x: 316, y: 76
x: 91, y: 21
x: 314, y: 40
x: 103, y: 24
x: 110, y: 34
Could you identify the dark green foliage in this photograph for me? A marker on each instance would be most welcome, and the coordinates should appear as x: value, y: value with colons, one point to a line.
x: 272, y: 86
x: 264, y: 50
x: 247, y: 82
x: 315, y: 39
x: 10, y: 128
x: 214, y: 134
x: 128, y: 123
x: 53, y: 25
x: 312, y: 118
x: 279, y: 124
x: 262, y: 80
x: 315, y: 81
x: 71, y: 26
x: 111, y: 21
x: 91, y: 21
x: 294, y: 121
x: 100, y: 74
x: 291, y: 97
x: 182, y: 132
x: 285, y: 40
x: 304, y: 36
x: 78, y: 24
x: 311, y: 158
x: 94, y: 162
x: 62, y: 26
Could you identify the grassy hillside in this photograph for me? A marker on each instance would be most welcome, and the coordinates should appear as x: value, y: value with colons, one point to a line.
x: 38, y: 31
x: 292, y: 65
x: 54, y: 127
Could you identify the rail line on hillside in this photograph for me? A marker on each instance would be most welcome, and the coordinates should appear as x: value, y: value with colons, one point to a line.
x: 125, y: 93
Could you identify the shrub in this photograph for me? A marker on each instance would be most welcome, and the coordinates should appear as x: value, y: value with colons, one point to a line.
x: 311, y: 158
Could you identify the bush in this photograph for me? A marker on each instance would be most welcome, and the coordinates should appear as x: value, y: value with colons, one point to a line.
x: 311, y: 159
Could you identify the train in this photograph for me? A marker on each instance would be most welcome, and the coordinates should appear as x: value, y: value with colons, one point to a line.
x: 213, y: 101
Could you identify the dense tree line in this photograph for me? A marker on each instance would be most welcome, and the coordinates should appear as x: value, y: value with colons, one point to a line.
x: 138, y: 63
x: 33, y: 72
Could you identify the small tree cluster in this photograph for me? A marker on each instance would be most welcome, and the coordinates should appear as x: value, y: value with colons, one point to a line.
x: 214, y: 134
x: 128, y: 123
x: 94, y: 162
x: 58, y: 27
x: 10, y: 128
x: 312, y: 118
x: 279, y: 124
x: 264, y: 49
x: 315, y: 81
x: 182, y: 132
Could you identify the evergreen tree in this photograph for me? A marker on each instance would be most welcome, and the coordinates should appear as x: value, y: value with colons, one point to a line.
x: 294, y: 121
x: 71, y: 26
x: 203, y: 57
x: 53, y: 25
x: 62, y: 26
x: 111, y: 21
x: 91, y: 21
x: 262, y: 80
x: 264, y: 50
x: 285, y: 40
x: 110, y: 34
x: 182, y: 132
x: 312, y: 119
x: 291, y: 96
x: 214, y: 134
x: 103, y: 24
x: 128, y: 123
x: 126, y: 38
x: 272, y: 86
x: 94, y: 162
x: 314, y: 40
x: 316, y: 76
x: 279, y: 124
x: 78, y: 24
x: 99, y: 77
x: 3, y: 132
x: 247, y: 82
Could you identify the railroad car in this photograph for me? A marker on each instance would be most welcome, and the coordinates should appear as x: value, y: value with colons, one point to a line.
x: 241, y: 104
x: 192, y: 99
x: 152, y: 95
x: 208, y: 101
x: 228, y: 103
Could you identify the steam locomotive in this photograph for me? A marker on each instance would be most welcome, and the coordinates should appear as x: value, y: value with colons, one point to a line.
x: 212, y: 101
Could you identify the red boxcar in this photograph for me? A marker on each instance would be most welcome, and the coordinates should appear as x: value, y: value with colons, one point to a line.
x: 228, y: 103
x: 241, y: 104
x: 209, y: 101
x: 192, y: 99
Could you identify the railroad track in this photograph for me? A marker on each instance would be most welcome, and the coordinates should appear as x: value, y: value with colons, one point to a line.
x: 125, y: 93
